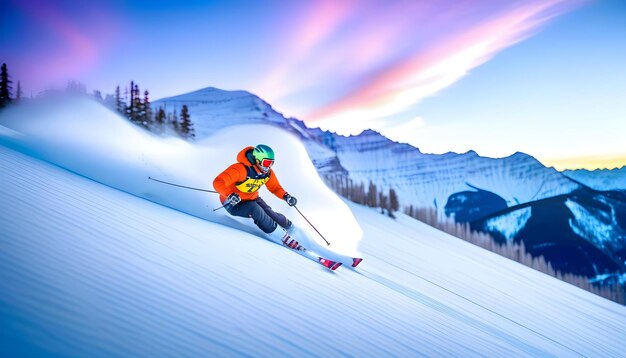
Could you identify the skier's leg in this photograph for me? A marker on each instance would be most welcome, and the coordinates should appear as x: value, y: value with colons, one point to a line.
x: 281, y: 220
x: 251, y: 209
x: 278, y: 217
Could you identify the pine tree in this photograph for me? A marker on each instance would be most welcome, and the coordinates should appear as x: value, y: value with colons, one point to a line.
x: 141, y: 111
x: 361, y: 194
x: 18, y: 95
x: 382, y: 202
x: 186, y: 126
x: 174, y: 117
x: 371, y: 195
x: 147, y: 111
x: 75, y: 87
x: 98, y: 95
x: 5, y: 86
x: 394, y: 205
x: 160, y: 116
x: 129, y: 107
x: 136, y: 106
x: 132, y: 92
x: 119, y: 105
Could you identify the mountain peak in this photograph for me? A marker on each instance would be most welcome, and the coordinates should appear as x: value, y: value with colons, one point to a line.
x: 210, y: 93
x: 370, y: 131
x: 520, y: 155
x: 213, y: 108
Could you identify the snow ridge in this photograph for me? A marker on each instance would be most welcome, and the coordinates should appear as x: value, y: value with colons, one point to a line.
x: 426, y: 178
x: 600, y: 179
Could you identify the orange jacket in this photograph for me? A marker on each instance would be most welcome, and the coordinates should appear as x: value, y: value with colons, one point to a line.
x: 235, y: 179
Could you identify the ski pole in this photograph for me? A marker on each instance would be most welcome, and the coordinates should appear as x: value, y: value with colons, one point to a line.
x: 182, y: 186
x: 307, y: 220
x: 221, y: 207
x: 226, y: 202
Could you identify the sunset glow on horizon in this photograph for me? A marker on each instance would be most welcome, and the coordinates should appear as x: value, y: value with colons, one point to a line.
x: 608, y: 161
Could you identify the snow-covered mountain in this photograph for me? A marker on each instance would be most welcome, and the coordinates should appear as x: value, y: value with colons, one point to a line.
x: 577, y: 229
x: 213, y: 109
x: 423, y: 179
x: 89, y: 267
x: 581, y: 232
x: 465, y: 186
x: 600, y: 179
x: 430, y: 179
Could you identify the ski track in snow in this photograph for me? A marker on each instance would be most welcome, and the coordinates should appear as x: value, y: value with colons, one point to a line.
x: 87, y: 270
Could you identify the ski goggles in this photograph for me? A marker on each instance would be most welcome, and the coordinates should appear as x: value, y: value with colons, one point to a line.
x: 266, y: 163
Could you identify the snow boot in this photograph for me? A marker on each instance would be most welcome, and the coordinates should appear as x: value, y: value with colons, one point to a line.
x: 291, y: 243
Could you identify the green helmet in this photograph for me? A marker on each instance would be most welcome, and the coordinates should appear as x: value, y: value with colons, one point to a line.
x: 264, y: 156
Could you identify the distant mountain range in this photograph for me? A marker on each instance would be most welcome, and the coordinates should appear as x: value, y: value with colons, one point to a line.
x: 600, y: 179
x: 576, y: 219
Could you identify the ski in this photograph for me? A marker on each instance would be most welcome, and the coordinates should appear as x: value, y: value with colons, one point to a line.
x: 356, y: 261
x: 331, y: 265
x: 294, y: 245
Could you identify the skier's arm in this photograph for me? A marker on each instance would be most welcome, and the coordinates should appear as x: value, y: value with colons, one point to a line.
x: 226, y: 179
x: 274, y: 186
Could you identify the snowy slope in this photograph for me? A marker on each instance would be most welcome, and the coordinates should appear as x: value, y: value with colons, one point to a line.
x: 89, y: 139
x: 600, y: 179
x: 87, y: 270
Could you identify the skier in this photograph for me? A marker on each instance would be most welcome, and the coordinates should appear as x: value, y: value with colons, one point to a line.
x: 238, y: 187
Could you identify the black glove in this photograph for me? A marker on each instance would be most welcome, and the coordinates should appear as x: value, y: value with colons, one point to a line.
x: 233, y: 199
x: 292, y: 201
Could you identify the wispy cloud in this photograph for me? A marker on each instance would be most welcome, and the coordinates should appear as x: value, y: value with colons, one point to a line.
x: 319, y: 22
x: 390, y: 66
x: 67, y: 49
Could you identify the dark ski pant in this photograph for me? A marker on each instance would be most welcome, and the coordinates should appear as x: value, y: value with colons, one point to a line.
x: 262, y: 214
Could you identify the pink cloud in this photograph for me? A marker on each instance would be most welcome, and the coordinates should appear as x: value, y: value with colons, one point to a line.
x: 430, y: 69
x: 70, y: 50
x: 316, y: 26
x: 379, y: 33
x: 338, y: 41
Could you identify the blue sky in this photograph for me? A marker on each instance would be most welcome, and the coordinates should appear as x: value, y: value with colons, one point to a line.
x: 559, y: 95
x: 543, y: 77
